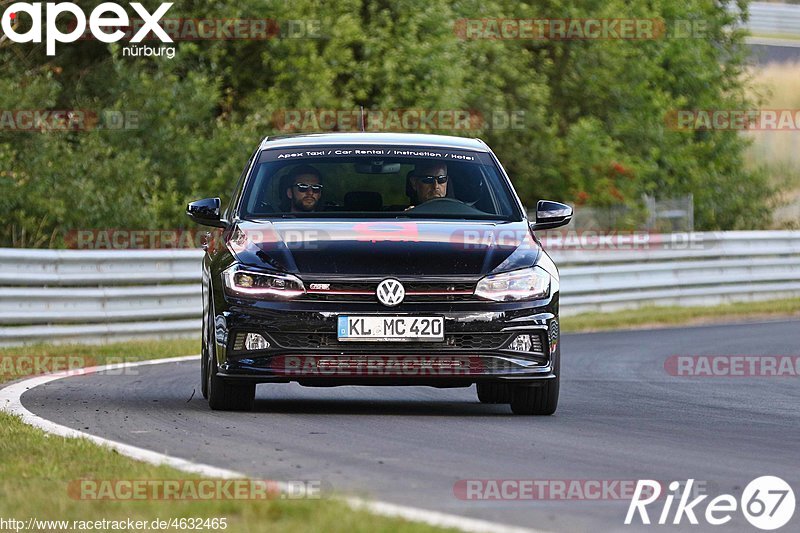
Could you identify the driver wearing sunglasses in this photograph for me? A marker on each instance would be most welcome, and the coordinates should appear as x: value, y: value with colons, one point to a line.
x: 305, y: 189
x: 429, y: 181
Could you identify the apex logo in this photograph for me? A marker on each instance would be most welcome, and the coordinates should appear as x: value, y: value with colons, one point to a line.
x: 98, y: 21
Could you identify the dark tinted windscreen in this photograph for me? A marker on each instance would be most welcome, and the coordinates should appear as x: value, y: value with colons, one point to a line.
x: 364, y: 181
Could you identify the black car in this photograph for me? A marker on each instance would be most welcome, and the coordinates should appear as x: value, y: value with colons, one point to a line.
x: 379, y: 259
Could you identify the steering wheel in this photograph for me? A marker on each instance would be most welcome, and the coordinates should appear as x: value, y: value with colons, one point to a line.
x: 445, y: 206
x: 442, y: 199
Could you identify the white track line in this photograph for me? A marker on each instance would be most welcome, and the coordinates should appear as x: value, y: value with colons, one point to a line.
x: 11, y: 402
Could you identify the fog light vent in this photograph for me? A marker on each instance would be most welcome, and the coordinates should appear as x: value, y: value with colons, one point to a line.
x: 254, y: 341
x: 238, y: 342
x: 521, y: 343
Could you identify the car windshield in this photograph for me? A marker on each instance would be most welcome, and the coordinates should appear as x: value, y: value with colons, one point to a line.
x: 379, y: 181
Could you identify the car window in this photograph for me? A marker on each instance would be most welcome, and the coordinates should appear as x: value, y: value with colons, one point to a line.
x: 371, y: 181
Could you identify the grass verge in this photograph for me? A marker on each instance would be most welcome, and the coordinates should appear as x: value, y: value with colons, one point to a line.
x: 37, y: 469
x: 21, y: 361
x: 653, y: 316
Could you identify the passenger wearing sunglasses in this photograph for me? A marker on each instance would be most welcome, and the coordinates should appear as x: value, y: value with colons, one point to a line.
x: 427, y: 182
x: 305, y: 189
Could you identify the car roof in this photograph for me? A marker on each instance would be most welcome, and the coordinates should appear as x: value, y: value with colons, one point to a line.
x: 406, y: 139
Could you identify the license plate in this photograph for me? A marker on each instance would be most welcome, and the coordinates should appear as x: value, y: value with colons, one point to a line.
x: 390, y: 328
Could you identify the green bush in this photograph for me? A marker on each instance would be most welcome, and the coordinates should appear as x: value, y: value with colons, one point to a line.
x: 593, y: 112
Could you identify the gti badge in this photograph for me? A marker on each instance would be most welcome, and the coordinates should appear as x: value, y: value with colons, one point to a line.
x: 390, y: 292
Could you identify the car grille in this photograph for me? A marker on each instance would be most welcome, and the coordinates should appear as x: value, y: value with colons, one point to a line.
x: 462, y: 341
x: 455, y: 341
x: 422, y: 291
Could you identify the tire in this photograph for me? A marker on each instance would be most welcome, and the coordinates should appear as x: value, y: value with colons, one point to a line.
x: 222, y: 395
x: 204, y: 374
x: 494, y: 392
x: 539, y: 400
x: 204, y: 359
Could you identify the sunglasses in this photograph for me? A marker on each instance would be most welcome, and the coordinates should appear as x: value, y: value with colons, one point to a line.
x: 428, y: 180
x: 303, y: 187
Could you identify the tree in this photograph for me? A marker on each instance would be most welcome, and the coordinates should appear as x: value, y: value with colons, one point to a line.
x: 591, y: 128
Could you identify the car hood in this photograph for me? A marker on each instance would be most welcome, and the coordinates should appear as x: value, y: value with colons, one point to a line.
x: 382, y: 247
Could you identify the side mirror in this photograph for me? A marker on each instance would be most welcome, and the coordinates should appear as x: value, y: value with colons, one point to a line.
x: 206, y: 212
x: 551, y: 215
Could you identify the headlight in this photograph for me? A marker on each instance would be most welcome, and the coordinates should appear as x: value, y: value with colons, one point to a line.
x: 526, y: 284
x: 247, y: 283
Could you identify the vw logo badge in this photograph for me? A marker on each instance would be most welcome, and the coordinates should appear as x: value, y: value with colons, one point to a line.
x: 390, y: 292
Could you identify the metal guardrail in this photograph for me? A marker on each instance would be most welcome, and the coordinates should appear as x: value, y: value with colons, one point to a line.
x: 774, y: 19
x: 90, y: 296
x: 680, y: 269
x: 95, y: 296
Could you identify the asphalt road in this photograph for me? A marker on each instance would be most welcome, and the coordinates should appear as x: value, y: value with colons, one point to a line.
x: 622, y: 416
x: 763, y: 54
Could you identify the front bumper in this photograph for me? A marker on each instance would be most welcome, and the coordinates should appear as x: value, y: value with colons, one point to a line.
x: 304, y: 346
